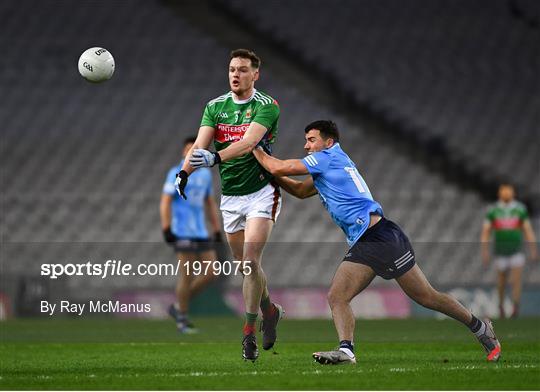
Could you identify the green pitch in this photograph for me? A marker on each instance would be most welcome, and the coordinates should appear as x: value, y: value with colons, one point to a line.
x: 391, y: 354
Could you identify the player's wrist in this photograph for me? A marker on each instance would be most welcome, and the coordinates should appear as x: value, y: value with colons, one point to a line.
x: 217, y: 158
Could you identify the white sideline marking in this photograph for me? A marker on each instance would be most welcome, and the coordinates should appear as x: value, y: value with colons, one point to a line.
x: 310, y: 372
x: 400, y: 370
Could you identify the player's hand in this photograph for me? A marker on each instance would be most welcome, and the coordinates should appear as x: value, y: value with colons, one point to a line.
x: 204, y: 158
x: 169, y: 236
x: 181, y: 182
x: 217, y: 237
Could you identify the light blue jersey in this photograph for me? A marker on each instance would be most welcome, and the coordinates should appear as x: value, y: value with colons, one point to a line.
x: 188, y: 221
x: 342, y: 190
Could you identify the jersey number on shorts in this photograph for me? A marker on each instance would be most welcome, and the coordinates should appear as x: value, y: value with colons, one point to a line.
x: 353, y: 172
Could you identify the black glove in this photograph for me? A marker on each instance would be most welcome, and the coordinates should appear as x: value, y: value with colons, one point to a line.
x: 267, y: 147
x: 169, y: 236
x: 217, y: 237
x: 181, y: 182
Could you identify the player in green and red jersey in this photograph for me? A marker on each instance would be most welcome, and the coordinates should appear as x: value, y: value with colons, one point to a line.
x: 237, y: 122
x: 509, y: 220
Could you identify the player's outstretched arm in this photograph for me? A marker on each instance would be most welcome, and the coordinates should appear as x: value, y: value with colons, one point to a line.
x: 251, y: 138
x: 278, y: 167
x: 300, y: 189
x: 204, y: 138
x: 281, y: 168
x: 204, y: 158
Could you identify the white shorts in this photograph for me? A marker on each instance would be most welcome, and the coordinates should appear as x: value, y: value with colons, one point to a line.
x: 503, y: 263
x: 236, y: 210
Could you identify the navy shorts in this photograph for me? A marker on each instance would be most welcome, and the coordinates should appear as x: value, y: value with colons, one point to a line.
x: 194, y: 245
x: 384, y: 248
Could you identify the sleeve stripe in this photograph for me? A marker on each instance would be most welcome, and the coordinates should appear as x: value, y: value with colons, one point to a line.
x: 261, y: 98
x: 310, y: 160
x: 219, y: 99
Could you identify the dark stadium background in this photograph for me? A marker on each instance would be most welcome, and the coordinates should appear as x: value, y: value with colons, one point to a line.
x: 437, y: 101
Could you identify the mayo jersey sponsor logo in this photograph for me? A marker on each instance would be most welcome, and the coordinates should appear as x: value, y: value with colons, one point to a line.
x: 511, y: 223
x: 230, y: 133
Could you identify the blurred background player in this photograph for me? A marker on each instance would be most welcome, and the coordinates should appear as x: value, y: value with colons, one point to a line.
x: 237, y: 121
x: 377, y: 246
x: 184, y: 227
x: 509, y: 220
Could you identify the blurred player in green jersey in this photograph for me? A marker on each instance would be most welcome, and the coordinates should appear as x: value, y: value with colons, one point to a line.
x: 509, y: 221
x: 237, y: 122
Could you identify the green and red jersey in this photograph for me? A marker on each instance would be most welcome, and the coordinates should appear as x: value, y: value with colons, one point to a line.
x: 507, y: 222
x: 231, y: 118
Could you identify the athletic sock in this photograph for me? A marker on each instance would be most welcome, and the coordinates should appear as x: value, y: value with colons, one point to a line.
x: 515, y: 310
x: 478, y: 327
x: 182, y: 317
x: 347, y: 347
x: 249, y: 326
x: 267, y: 307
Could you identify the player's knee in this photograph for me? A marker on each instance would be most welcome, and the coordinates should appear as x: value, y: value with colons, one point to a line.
x: 335, y: 298
x: 253, y: 267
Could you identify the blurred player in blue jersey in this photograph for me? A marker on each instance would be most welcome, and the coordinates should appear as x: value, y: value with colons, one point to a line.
x: 377, y: 246
x: 184, y: 227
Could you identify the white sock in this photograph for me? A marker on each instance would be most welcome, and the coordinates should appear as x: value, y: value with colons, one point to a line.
x: 482, y: 329
x: 347, y: 351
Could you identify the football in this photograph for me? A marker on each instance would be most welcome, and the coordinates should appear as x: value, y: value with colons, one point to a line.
x: 96, y: 65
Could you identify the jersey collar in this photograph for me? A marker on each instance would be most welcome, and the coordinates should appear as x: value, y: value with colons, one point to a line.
x: 241, y: 101
x: 510, y: 204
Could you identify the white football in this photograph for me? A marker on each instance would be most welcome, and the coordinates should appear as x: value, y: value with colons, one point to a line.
x: 96, y: 65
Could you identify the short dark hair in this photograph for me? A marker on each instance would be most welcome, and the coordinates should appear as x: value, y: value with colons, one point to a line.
x: 189, y: 140
x: 247, y: 54
x: 506, y: 185
x: 327, y: 128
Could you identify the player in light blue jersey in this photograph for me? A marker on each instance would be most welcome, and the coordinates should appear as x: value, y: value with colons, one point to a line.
x: 184, y: 227
x: 377, y: 246
x: 342, y: 190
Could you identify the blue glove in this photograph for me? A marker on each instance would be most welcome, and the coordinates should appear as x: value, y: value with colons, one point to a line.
x: 204, y: 158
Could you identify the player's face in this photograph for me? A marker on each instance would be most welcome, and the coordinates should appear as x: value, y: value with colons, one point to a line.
x: 315, y: 142
x: 242, y: 76
x: 506, y: 193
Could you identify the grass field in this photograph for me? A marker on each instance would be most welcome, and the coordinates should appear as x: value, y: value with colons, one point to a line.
x: 391, y: 354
